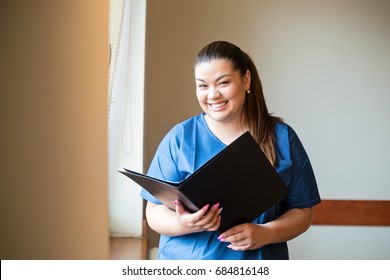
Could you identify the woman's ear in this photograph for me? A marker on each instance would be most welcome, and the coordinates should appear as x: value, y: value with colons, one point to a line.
x: 247, y: 80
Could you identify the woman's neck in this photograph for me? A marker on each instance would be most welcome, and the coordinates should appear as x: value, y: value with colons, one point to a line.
x: 227, y: 132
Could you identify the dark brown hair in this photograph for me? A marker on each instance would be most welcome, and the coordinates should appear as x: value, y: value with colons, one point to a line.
x: 261, y: 123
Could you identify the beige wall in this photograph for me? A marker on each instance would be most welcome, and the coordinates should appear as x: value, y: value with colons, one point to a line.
x: 54, y: 141
x: 176, y: 30
x: 324, y: 67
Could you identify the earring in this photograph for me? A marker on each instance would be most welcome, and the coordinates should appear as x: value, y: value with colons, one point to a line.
x: 248, y: 91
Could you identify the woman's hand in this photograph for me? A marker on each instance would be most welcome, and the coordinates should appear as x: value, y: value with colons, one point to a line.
x: 206, y: 219
x: 253, y: 236
x: 245, y: 237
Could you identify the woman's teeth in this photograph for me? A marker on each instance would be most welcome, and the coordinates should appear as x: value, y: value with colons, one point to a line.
x: 218, y: 105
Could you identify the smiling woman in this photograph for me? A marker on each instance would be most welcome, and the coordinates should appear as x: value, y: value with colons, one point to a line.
x: 229, y: 92
x: 220, y: 94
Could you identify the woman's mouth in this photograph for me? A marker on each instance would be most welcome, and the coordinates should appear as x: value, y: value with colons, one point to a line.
x: 218, y: 105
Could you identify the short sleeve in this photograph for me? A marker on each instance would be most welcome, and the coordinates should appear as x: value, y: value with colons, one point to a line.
x: 303, y: 190
x: 164, y: 163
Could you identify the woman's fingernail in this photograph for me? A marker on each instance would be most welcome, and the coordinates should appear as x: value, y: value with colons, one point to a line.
x: 175, y: 202
x: 206, y: 207
x: 215, y: 206
x: 220, y: 210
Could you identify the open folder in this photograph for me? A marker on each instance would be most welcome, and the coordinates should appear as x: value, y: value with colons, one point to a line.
x: 240, y: 178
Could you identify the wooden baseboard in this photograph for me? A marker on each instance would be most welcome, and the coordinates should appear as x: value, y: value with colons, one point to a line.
x: 127, y: 248
x: 352, y: 213
x: 130, y: 248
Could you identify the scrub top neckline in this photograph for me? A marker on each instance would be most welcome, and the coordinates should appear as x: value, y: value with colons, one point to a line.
x: 209, y: 130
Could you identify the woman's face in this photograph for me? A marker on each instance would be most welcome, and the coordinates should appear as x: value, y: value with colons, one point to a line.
x: 221, y: 90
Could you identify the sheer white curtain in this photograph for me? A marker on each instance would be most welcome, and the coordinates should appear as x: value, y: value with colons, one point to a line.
x: 125, y: 114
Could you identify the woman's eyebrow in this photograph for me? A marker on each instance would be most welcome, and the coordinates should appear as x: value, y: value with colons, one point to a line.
x: 219, y: 78
x: 222, y: 76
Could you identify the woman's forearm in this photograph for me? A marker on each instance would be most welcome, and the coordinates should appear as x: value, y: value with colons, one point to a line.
x: 250, y: 236
x: 291, y: 224
x: 173, y: 223
x: 163, y: 220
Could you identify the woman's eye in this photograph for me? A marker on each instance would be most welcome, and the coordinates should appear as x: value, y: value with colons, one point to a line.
x: 223, y: 83
x: 202, y: 86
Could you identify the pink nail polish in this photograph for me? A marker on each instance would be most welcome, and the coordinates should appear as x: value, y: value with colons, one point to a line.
x: 175, y: 202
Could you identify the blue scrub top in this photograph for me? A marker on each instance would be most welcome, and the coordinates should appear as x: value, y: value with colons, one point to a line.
x: 187, y: 147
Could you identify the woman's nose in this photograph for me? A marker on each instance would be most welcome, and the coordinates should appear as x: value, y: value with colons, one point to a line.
x: 213, y: 93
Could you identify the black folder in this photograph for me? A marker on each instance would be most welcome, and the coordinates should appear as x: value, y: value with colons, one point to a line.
x: 240, y: 178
